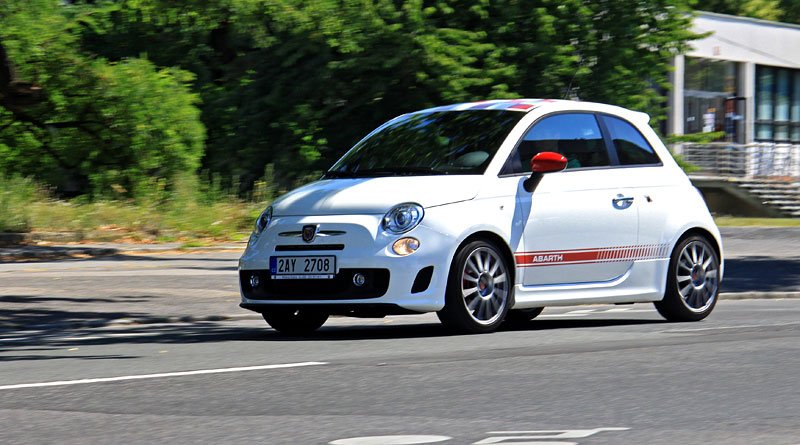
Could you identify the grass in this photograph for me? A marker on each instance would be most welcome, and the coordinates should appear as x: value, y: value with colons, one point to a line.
x: 733, y: 221
x: 192, y: 213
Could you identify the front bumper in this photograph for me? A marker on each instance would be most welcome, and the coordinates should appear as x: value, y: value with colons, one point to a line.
x: 413, y: 283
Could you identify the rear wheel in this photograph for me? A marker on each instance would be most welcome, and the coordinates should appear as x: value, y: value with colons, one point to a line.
x: 692, y: 281
x: 295, y: 321
x: 479, y: 289
x: 521, y: 316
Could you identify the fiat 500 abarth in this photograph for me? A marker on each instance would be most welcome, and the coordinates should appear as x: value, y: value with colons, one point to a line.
x: 487, y: 212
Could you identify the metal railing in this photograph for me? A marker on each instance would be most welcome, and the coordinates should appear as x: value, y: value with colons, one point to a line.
x: 757, y: 160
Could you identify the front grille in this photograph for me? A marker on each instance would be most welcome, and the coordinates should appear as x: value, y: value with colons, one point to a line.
x: 341, y: 287
x: 308, y: 247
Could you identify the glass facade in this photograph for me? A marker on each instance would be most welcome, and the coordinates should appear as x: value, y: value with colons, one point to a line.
x: 777, y: 104
x: 708, y: 85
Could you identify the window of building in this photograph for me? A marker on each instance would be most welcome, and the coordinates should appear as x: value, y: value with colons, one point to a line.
x: 707, y: 85
x: 777, y: 104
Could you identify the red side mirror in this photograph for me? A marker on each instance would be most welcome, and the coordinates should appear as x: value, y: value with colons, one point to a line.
x: 547, y: 162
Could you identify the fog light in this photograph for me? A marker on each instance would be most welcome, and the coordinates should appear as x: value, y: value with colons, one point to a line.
x: 254, y: 281
x: 405, y: 246
x: 359, y: 279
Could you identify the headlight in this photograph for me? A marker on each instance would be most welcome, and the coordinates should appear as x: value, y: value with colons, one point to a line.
x: 263, y: 220
x: 402, y: 218
x: 261, y: 223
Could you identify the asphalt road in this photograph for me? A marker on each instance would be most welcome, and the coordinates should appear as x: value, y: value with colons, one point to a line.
x: 93, y: 351
x: 731, y: 379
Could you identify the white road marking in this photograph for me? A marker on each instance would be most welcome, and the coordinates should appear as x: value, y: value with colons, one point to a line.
x: 727, y: 328
x: 534, y: 437
x: 160, y: 375
x: 568, y: 314
x: 88, y: 337
x: 389, y: 440
x: 583, y: 311
x: 630, y: 311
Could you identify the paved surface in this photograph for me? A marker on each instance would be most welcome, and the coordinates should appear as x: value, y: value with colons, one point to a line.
x: 731, y: 379
x: 618, y: 373
x: 146, y: 284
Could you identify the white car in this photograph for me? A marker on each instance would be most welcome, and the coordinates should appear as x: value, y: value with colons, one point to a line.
x: 487, y: 212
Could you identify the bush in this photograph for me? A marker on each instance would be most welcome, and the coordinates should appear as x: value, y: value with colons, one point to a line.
x: 16, y: 195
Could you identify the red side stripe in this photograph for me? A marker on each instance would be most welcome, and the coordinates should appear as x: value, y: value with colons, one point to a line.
x: 588, y: 256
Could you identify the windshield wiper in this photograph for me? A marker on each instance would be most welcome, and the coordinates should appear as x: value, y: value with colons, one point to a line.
x: 399, y: 171
x: 337, y: 174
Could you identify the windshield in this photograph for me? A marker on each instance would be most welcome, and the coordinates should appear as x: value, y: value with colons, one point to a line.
x: 433, y: 143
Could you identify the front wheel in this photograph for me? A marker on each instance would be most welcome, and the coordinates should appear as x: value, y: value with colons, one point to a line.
x: 479, y: 289
x: 692, y: 281
x: 295, y: 321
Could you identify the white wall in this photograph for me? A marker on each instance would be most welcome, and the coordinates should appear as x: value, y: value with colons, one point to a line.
x: 747, y: 40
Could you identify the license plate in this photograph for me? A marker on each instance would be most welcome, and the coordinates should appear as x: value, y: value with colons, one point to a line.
x: 302, y: 267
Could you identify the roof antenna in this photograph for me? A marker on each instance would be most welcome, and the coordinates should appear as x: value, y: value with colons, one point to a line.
x: 568, y: 92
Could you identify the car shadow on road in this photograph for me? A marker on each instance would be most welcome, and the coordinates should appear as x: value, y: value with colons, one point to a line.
x: 761, y: 274
x: 51, y: 341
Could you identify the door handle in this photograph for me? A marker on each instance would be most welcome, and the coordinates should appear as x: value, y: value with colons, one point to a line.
x: 622, y: 202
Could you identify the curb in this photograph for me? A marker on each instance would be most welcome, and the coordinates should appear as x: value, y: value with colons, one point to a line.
x: 759, y: 295
x: 144, y: 321
x: 64, y: 252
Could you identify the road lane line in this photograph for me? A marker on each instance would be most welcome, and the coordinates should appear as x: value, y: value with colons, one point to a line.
x: 583, y: 311
x: 160, y: 375
x: 569, y: 314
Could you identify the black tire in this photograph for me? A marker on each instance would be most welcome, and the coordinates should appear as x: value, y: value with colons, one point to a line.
x: 692, y: 281
x: 522, y: 316
x: 482, y: 308
x: 295, y: 321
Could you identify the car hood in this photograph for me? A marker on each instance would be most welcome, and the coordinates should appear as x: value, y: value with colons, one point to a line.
x: 374, y: 195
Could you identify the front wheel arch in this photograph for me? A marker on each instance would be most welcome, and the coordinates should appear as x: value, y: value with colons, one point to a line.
x: 499, y: 242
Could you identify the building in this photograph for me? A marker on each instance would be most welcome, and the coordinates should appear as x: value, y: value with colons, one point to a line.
x: 742, y: 78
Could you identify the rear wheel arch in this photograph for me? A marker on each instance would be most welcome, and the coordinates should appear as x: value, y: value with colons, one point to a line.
x: 699, y: 231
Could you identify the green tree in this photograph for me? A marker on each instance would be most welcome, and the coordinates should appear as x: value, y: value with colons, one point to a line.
x: 295, y: 83
x: 779, y: 10
x: 82, y: 123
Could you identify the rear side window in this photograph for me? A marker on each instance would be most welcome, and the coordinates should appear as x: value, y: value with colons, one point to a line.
x: 632, y: 147
x: 577, y: 136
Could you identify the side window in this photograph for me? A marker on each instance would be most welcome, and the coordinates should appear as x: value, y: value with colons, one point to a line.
x: 576, y: 136
x: 632, y: 148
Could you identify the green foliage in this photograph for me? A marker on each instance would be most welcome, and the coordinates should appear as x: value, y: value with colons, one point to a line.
x: 780, y: 10
x: 93, y: 126
x: 696, y: 138
x: 194, y: 208
x: 295, y: 83
x: 686, y: 166
x: 16, y: 193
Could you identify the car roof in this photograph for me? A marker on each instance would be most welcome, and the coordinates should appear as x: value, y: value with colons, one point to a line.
x: 528, y: 105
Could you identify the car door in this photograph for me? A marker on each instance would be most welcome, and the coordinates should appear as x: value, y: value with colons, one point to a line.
x: 656, y: 186
x: 580, y: 224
